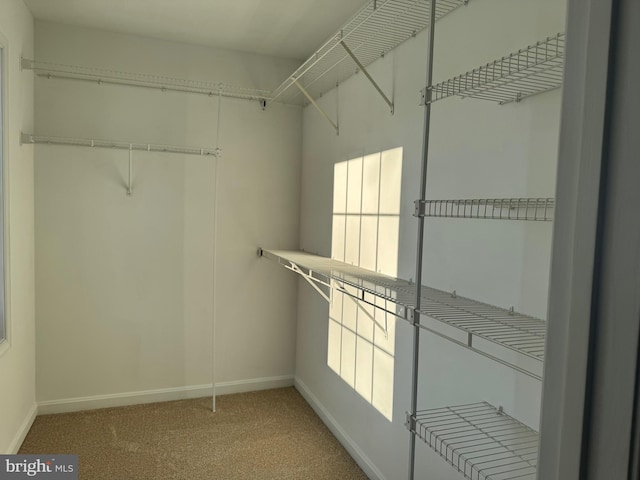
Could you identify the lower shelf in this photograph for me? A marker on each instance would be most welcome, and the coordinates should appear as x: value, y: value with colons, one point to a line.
x: 505, y: 336
x: 480, y: 441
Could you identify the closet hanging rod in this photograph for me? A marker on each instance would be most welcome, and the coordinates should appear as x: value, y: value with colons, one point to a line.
x: 26, y: 138
x: 144, y: 80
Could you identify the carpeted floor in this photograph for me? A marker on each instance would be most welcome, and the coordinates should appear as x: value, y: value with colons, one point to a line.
x: 272, y: 434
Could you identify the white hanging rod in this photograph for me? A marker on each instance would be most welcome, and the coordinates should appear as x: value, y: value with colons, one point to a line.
x: 26, y: 138
x: 145, y: 80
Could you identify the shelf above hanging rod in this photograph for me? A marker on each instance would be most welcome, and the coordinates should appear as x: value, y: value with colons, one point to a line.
x: 479, y: 440
x: 156, y: 82
x: 26, y: 138
x: 502, y: 335
x: 377, y: 28
x: 527, y: 209
x: 535, y: 69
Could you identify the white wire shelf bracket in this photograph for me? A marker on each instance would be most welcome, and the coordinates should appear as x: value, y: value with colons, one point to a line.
x: 480, y: 441
x: 527, y: 209
x: 26, y: 138
x: 377, y: 28
x: 145, y: 80
x: 527, y: 72
x: 503, y: 332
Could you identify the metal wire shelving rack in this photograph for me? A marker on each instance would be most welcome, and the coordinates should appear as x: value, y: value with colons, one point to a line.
x: 507, y: 331
x: 157, y: 82
x: 532, y: 70
x: 528, y: 209
x: 26, y: 138
x: 480, y: 441
x: 377, y: 28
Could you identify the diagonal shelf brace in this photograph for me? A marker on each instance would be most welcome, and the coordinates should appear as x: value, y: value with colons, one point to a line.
x: 310, y: 280
x: 314, y: 103
x: 358, y: 302
x: 366, y: 73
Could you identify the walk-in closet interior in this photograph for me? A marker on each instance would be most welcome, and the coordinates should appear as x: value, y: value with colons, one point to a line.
x: 397, y: 157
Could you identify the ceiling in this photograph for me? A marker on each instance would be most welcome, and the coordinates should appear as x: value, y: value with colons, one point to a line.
x: 284, y: 28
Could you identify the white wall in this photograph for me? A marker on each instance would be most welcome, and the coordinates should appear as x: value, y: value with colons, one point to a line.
x: 17, y: 358
x: 125, y: 284
x: 479, y: 150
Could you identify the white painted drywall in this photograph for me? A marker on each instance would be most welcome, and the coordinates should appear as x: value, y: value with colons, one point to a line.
x: 479, y: 150
x: 17, y: 359
x: 124, y: 284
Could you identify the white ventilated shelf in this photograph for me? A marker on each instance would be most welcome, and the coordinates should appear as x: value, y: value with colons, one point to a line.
x: 26, y: 138
x: 380, y: 26
x: 480, y: 441
x: 527, y: 209
x: 532, y: 70
x: 157, y: 82
x: 510, y: 331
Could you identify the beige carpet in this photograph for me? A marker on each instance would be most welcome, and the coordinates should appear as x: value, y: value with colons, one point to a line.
x: 272, y: 434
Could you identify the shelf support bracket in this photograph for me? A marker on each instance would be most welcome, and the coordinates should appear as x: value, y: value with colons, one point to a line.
x: 318, y: 107
x: 358, y: 302
x: 310, y: 280
x: 410, y: 423
x: 366, y: 73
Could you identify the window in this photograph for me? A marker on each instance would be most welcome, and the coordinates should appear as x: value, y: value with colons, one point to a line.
x: 366, y: 221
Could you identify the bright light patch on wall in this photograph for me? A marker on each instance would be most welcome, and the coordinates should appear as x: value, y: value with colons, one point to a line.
x: 366, y: 221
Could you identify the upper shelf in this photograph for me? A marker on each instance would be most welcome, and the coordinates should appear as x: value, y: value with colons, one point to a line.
x: 501, y: 330
x: 157, y: 82
x: 380, y: 26
x: 532, y: 70
x: 527, y: 209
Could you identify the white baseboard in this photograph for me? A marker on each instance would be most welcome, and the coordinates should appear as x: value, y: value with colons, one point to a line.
x: 347, y: 442
x: 23, y: 430
x: 77, y: 404
x: 253, y: 385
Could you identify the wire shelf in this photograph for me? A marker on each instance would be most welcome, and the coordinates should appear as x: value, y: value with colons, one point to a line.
x: 480, y: 441
x: 509, y: 330
x: 532, y: 70
x: 380, y: 26
x: 26, y: 138
x: 158, y: 82
x: 529, y: 209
